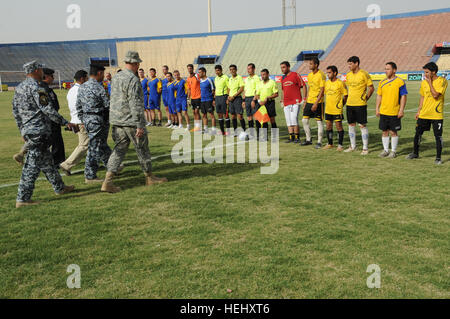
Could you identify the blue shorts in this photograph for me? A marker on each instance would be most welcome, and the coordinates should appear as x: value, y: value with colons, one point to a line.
x: 172, y: 108
x: 146, y: 102
x: 182, y: 105
x: 154, y: 104
x: 165, y: 101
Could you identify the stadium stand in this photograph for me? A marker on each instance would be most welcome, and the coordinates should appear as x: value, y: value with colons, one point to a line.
x: 174, y: 52
x: 405, y: 40
x: 267, y: 49
x: 66, y: 57
x: 444, y: 62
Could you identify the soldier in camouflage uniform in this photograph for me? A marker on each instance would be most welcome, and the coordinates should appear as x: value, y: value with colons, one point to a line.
x: 128, y: 123
x: 93, y: 111
x: 34, y: 114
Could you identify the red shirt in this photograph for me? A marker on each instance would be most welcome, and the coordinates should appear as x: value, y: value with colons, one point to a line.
x: 292, y: 83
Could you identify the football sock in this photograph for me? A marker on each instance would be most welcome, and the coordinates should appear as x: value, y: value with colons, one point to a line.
x: 235, y: 124
x: 417, y: 140
x: 352, y: 136
x: 394, y: 141
x: 307, y: 129
x: 385, y: 140
x: 320, y: 132
x: 243, y: 124
x: 365, y: 137
x: 222, y: 125
x: 341, y: 138
x: 439, y: 144
x: 330, y: 137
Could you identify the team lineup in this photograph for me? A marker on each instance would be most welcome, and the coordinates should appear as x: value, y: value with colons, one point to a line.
x: 131, y: 102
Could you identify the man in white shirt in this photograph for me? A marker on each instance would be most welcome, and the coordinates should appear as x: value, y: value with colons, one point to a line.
x: 83, y: 140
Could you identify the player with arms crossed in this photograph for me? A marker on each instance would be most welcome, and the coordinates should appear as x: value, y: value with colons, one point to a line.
x: 221, y: 84
x: 154, y: 97
x: 390, y: 108
x: 358, y: 81
x: 431, y: 110
x: 336, y: 95
x: 314, y: 102
x: 292, y: 85
x: 249, y: 100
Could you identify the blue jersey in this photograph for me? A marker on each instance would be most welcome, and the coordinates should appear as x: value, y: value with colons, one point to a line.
x: 144, y: 86
x: 164, y: 83
x: 181, y: 88
x: 154, y: 87
x: 206, y: 89
x: 171, y: 89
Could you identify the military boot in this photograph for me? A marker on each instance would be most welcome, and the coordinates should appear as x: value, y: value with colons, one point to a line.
x: 28, y: 203
x: 151, y: 179
x: 108, y: 185
x: 66, y: 190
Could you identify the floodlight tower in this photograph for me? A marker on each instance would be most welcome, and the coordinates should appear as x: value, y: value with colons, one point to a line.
x: 209, y: 17
x: 293, y: 10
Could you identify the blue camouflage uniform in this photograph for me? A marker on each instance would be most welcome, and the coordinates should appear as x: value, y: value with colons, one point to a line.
x: 34, y: 114
x: 93, y: 111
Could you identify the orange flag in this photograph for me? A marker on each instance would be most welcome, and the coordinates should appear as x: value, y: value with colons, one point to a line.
x: 261, y: 115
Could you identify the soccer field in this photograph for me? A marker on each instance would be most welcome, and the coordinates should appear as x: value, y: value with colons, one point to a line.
x: 226, y: 231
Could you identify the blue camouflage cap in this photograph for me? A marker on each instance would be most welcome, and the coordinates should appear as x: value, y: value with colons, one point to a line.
x: 32, y: 66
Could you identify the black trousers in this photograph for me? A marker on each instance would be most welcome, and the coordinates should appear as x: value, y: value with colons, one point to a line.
x: 57, y: 143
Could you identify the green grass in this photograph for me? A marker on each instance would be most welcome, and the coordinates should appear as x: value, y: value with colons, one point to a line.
x: 309, y: 231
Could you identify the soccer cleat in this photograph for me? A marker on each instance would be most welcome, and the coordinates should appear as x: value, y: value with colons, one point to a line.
x: 289, y: 141
x: 365, y: 152
x: 318, y: 146
x: 340, y: 148
x: 328, y: 147
x: 350, y: 150
x: 159, y: 124
x: 148, y: 124
x: 196, y: 129
x: 438, y: 161
x: 412, y: 156
x: 384, y: 154
x: 296, y: 141
x: 220, y: 133
x: 168, y: 125
x: 306, y: 143
x: 27, y: 203
x: 93, y: 181
x: 392, y: 155
x: 227, y: 133
x: 66, y: 190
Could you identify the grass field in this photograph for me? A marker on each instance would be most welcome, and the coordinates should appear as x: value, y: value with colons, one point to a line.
x: 309, y: 231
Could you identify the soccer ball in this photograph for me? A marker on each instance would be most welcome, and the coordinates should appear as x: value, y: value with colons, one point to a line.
x: 243, y: 136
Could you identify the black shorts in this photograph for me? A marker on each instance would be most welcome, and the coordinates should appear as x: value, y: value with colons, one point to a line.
x: 196, y: 103
x: 334, y: 117
x: 357, y: 114
x: 236, y: 106
x: 308, y: 113
x: 390, y: 123
x: 207, y: 107
x: 424, y: 125
x: 248, y: 106
x: 270, y: 106
x: 221, y: 104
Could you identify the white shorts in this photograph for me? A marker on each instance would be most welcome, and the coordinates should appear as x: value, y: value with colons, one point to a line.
x: 291, y: 114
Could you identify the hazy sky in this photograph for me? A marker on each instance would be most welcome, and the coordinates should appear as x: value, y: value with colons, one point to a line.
x: 45, y: 20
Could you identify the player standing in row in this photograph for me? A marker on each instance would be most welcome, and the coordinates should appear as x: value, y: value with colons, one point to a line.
x: 221, y: 84
x: 207, y: 98
x: 431, y: 110
x: 194, y: 96
x: 292, y: 85
x: 266, y: 94
x: 250, y: 101
x: 336, y: 95
x: 390, y: 108
x: 236, y: 87
x: 171, y: 101
x: 181, y: 100
x: 358, y: 81
x: 144, y: 83
x: 154, y: 97
x: 165, y: 94
x: 314, y: 102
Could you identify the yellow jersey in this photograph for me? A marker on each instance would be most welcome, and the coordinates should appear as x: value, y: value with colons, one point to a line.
x: 391, y: 92
x: 316, y: 81
x: 234, y: 84
x: 433, y: 109
x: 357, y: 84
x: 267, y: 89
x: 221, y: 83
x: 251, y: 84
x: 334, y: 94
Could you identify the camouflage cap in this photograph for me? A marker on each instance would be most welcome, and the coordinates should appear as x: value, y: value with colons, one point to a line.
x: 132, y: 57
x: 32, y: 66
